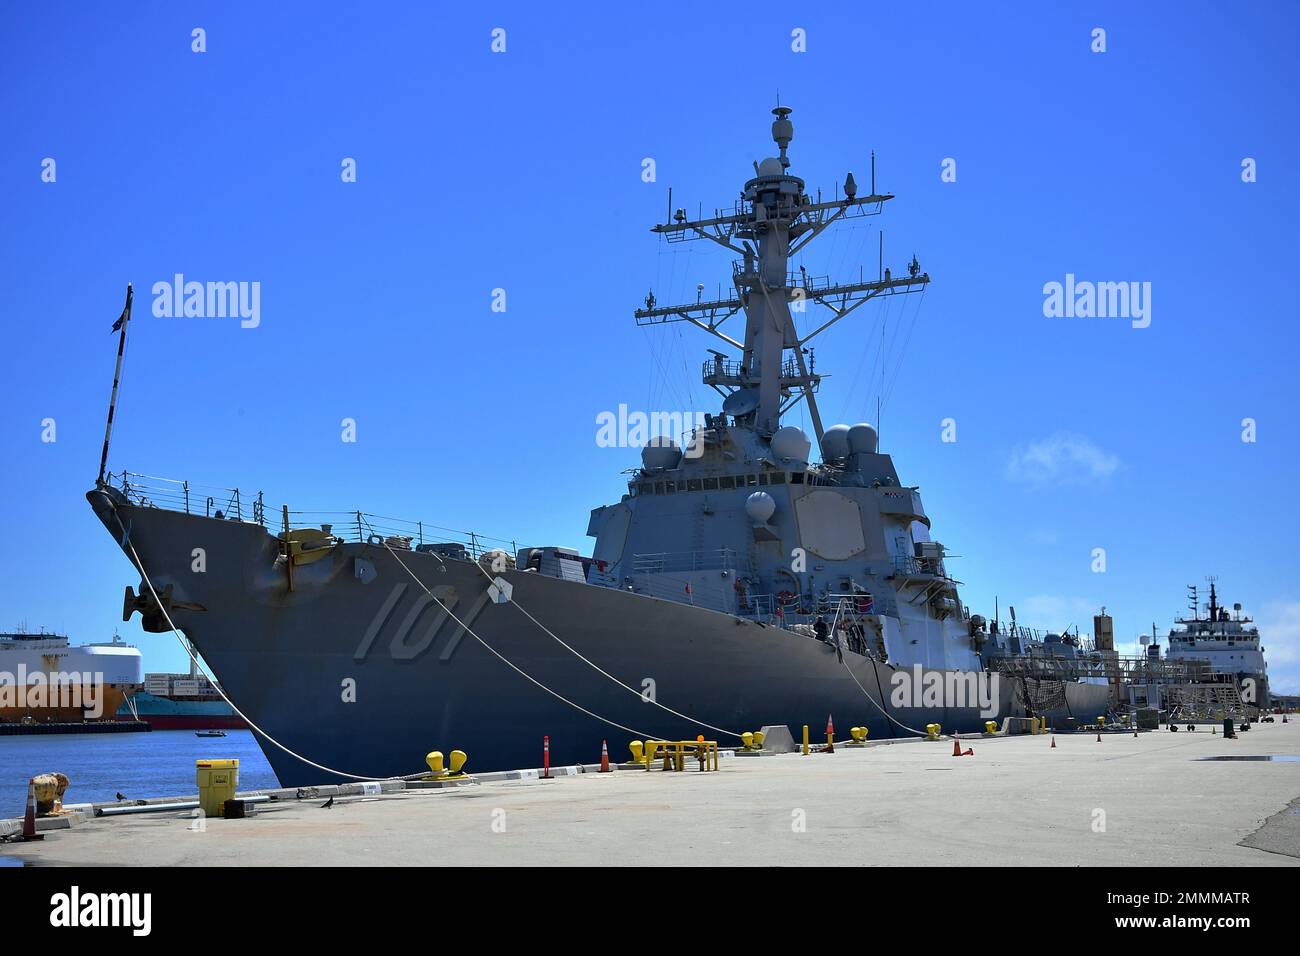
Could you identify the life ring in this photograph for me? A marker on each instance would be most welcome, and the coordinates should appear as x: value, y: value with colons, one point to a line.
x: 783, y: 598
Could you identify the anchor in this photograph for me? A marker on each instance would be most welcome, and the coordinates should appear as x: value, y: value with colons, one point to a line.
x: 151, y: 609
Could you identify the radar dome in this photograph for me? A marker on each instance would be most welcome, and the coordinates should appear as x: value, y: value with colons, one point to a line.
x: 862, y: 439
x: 661, y: 453
x: 791, y: 443
x: 835, y: 442
x: 771, y: 168
x: 760, y: 506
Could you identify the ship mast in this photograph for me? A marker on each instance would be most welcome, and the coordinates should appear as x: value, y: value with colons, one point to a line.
x: 773, y: 220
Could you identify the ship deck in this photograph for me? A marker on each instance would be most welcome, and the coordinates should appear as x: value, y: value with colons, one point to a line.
x: 1151, y: 800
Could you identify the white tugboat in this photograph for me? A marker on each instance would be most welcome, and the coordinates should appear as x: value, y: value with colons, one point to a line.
x: 1227, y: 640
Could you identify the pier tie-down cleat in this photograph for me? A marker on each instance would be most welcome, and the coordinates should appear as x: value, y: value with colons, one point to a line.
x: 638, y: 753
x: 859, y: 735
x: 450, y: 773
x: 753, y: 744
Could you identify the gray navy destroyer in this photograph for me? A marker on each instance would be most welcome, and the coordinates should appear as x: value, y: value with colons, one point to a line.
x: 741, y: 581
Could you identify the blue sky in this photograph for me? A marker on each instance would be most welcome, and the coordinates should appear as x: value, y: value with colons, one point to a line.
x: 522, y: 171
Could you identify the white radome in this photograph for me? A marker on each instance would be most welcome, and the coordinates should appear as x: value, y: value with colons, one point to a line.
x: 862, y: 439
x: 835, y: 443
x: 760, y: 506
x: 791, y: 444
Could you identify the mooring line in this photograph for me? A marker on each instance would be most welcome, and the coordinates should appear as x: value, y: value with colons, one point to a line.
x: 592, y: 664
x: 292, y: 753
x: 518, y: 670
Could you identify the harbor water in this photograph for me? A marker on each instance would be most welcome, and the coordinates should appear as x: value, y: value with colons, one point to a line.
x: 100, y: 766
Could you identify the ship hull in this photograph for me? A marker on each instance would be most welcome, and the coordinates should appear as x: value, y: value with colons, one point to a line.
x: 359, y: 670
x: 164, y: 713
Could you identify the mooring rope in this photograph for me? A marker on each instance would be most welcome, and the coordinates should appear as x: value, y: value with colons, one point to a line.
x: 592, y: 664
x: 233, y: 706
x: 518, y: 670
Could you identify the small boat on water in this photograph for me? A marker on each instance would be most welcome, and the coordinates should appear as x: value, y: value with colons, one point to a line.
x: 209, y: 733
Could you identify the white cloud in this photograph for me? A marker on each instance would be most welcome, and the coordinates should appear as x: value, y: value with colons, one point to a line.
x: 1062, y: 458
x: 1279, y: 633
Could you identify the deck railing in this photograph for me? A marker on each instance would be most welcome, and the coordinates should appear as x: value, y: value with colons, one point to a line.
x: 211, y: 501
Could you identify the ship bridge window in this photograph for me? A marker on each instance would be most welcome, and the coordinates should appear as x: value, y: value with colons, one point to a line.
x: 670, y: 487
x: 796, y: 478
x: 727, y: 481
x: 778, y: 478
x: 710, y: 484
x: 659, y: 487
x: 762, y: 479
x: 750, y: 481
x: 693, y: 484
x: 647, y: 489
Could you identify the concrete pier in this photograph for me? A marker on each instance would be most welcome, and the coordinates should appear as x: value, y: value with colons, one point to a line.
x: 1129, y: 801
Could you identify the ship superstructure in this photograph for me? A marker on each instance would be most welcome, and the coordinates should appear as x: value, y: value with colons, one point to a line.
x: 742, y: 580
x: 774, y: 528
x: 1226, y: 639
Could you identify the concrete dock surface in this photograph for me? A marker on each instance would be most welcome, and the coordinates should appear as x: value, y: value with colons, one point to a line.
x: 1124, y: 801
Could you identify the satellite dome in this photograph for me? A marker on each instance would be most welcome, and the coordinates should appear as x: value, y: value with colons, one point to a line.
x: 862, y: 439
x: 791, y: 443
x: 835, y: 443
x: 770, y: 168
x: 661, y: 453
x: 760, y: 506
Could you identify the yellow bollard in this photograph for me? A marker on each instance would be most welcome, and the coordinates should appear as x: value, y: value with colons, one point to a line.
x: 434, y: 760
x: 748, y: 739
x: 805, y: 740
x: 1101, y: 721
x: 932, y: 731
x: 990, y: 728
x: 638, y: 751
x: 759, y: 737
x: 458, y: 758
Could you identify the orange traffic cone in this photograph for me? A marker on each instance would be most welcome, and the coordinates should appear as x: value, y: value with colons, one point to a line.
x: 956, y: 747
x: 29, y: 817
x: 1053, y: 747
x: 604, y: 757
x: 830, y: 735
x: 1099, y: 736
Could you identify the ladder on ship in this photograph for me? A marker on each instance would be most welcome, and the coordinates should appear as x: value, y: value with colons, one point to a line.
x: 849, y: 622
